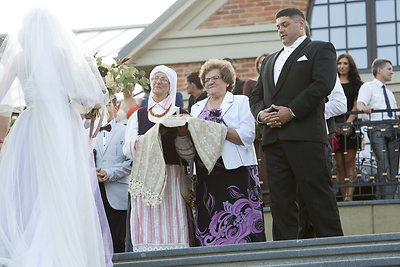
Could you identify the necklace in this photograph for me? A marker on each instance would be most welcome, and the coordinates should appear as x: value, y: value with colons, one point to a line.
x: 160, y: 115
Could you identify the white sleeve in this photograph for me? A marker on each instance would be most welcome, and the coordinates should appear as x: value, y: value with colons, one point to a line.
x: 258, y: 116
x: 364, y: 94
x: 337, y: 104
x: 246, y: 130
x: 131, y: 136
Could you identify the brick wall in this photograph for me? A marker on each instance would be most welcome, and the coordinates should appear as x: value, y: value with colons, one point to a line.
x: 245, y: 69
x: 183, y: 70
x: 239, y: 13
x: 249, y: 12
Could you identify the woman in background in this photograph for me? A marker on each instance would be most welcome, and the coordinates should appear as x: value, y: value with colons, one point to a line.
x: 128, y: 106
x: 347, y: 140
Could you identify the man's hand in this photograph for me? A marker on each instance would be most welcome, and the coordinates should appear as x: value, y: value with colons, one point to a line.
x: 102, y: 175
x: 283, y: 113
x: 270, y: 117
x: 366, y: 109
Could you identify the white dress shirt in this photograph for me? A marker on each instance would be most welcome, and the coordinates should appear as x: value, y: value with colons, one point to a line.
x: 106, y: 134
x: 284, y: 55
x: 371, y: 94
x: 281, y: 60
x: 337, y: 104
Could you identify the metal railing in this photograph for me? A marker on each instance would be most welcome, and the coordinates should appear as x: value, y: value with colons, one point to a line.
x: 371, y: 181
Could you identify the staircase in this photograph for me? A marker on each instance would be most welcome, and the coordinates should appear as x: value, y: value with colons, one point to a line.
x: 362, y: 250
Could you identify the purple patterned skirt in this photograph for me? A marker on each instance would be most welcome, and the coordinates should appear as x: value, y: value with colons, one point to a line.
x: 228, y: 205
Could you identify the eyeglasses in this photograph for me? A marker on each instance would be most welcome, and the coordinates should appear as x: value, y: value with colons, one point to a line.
x: 161, y: 80
x: 212, y: 79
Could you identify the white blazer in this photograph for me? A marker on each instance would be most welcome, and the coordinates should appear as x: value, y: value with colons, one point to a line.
x: 236, y: 115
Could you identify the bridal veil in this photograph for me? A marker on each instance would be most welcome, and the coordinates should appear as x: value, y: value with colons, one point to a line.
x: 51, y: 212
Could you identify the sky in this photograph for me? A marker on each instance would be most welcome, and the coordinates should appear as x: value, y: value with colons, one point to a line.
x: 81, y: 14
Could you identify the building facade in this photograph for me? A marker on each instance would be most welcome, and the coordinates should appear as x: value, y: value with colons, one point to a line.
x: 192, y: 31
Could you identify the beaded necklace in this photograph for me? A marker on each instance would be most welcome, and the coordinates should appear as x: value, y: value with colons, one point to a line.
x: 160, y: 115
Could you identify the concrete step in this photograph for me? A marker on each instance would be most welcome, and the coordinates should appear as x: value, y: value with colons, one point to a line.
x: 363, y: 250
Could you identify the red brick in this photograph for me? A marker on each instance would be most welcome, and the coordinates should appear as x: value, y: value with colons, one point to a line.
x: 251, y: 12
x: 235, y: 11
x: 228, y: 17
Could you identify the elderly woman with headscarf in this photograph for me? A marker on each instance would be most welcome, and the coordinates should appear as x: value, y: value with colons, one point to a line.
x: 164, y: 225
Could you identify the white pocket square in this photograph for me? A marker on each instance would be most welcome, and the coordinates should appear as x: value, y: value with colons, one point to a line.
x: 302, y: 58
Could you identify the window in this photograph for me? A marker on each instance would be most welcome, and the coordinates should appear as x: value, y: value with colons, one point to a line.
x: 366, y: 29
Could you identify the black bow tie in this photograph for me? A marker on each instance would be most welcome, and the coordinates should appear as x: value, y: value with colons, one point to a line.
x: 106, y: 128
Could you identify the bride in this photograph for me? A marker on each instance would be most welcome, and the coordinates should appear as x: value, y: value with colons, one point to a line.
x: 50, y: 207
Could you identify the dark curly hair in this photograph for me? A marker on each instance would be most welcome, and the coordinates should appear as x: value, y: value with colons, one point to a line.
x: 354, y: 76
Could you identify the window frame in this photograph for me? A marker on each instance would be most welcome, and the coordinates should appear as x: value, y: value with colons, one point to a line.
x: 371, y: 26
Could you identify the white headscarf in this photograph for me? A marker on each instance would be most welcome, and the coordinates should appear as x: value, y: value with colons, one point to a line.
x: 170, y: 100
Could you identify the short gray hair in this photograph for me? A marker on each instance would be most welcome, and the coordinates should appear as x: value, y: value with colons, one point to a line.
x: 379, y: 63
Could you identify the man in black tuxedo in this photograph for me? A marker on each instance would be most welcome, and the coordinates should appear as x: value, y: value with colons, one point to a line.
x: 289, y: 100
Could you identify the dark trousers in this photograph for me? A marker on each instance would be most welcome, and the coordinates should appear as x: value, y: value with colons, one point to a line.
x: 299, y: 169
x: 116, y: 221
x: 384, y: 142
x: 306, y: 229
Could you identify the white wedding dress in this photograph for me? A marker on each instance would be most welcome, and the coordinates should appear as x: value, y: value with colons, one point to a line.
x: 51, y: 212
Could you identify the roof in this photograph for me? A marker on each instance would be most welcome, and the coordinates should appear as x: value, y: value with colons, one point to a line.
x: 105, y: 42
x: 175, y: 37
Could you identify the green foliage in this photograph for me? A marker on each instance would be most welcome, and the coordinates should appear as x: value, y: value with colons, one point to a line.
x: 122, y: 76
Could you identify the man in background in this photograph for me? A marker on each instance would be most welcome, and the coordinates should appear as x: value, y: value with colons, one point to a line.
x: 374, y: 95
x: 195, y: 89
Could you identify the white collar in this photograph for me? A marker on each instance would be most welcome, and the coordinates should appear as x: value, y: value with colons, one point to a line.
x: 112, y: 123
x: 163, y: 103
x: 378, y: 82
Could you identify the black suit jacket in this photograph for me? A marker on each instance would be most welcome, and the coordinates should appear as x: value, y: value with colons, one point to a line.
x: 302, y: 86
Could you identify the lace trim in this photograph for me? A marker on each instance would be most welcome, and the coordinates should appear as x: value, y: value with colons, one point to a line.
x: 137, y: 188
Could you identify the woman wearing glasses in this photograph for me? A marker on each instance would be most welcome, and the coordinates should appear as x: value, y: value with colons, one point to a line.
x: 228, y: 200
x: 163, y: 225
